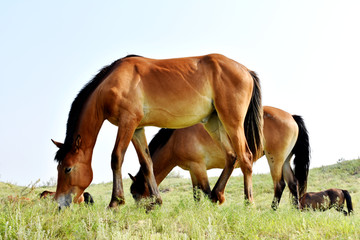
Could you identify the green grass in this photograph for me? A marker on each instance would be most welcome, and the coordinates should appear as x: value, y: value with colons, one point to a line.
x: 180, y: 217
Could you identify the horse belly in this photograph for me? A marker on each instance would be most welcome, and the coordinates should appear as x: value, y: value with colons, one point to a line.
x: 215, y: 157
x: 215, y: 160
x: 176, y: 112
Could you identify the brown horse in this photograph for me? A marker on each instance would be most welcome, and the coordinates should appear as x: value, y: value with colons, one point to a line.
x: 46, y: 194
x: 134, y: 92
x: 87, y: 198
x: 327, y: 199
x: 192, y: 149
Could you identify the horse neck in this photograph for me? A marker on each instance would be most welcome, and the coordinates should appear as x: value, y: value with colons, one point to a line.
x: 162, y: 164
x: 90, y: 123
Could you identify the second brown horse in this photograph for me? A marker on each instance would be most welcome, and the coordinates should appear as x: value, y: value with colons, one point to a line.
x: 192, y: 149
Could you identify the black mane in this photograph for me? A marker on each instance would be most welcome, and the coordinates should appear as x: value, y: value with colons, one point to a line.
x: 160, y: 139
x: 78, y: 105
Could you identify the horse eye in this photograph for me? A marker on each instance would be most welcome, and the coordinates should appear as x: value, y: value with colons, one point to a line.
x: 67, y: 170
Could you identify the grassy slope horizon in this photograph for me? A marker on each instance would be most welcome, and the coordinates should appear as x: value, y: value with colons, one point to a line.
x: 180, y: 217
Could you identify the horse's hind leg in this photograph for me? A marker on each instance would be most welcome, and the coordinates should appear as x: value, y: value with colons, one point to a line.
x: 340, y: 208
x: 141, y: 147
x: 278, y: 190
x: 276, y: 164
x: 232, y: 114
x: 240, y: 154
x: 217, y: 132
x: 291, y: 181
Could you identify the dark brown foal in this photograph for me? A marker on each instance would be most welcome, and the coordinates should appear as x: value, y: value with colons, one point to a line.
x: 327, y: 199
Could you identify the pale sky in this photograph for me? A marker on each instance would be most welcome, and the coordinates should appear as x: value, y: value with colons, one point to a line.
x: 306, y: 53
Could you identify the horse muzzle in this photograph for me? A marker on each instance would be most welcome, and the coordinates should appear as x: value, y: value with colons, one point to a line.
x: 64, y: 201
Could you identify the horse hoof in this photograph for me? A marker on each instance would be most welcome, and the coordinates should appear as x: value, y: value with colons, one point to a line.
x: 150, y: 204
x: 114, y: 205
x: 250, y: 204
x: 218, y: 197
x: 274, y: 205
x: 116, y: 202
x: 214, y: 199
x: 155, y: 201
x: 158, y: 201
x: 221, y: 199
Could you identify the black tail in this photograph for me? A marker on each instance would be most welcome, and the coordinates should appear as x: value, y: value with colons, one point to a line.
x: 348, y: 201
x: 253, y: 124
x: 160, y: 139
x: 301, y: 151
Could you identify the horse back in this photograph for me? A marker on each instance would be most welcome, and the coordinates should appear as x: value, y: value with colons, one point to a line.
x: 151, y: 87
x: 314, y: 200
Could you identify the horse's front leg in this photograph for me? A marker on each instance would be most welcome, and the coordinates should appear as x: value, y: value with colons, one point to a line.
x: 199, y: 180
x: 124, y: 135
x: 141, y: 147
x: 292, y: 182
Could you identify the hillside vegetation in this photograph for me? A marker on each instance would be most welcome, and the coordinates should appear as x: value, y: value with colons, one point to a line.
x: 24, y: 216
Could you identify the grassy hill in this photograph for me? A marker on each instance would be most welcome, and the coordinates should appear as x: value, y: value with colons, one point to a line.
x: 24, y: 216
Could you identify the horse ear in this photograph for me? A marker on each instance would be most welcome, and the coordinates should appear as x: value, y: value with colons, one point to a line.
x: 59, y: 145
x: 77, y: 142
x: 132, y: 177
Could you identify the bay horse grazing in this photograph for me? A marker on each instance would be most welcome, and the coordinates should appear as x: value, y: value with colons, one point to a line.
x: 87, y: 198
x: 192, y: 149
x: 327, y: 199
x: 134, y: 92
